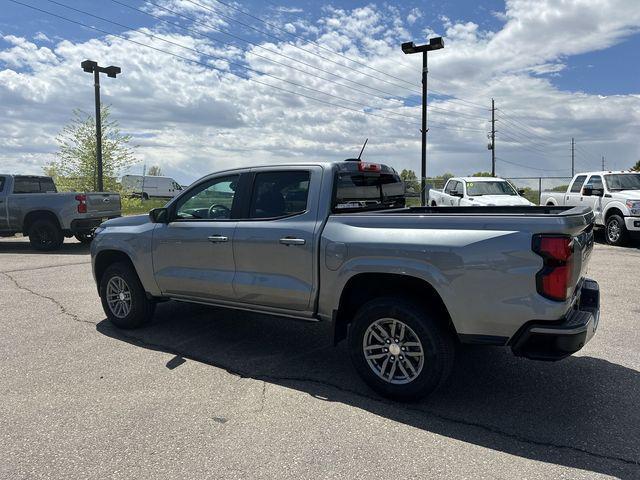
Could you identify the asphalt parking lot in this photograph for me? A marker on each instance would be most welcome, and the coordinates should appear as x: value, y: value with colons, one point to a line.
x: 209, y: 393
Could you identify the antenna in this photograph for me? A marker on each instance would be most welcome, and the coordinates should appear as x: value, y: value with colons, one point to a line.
x: 364, y: 145
x: 359, y: 159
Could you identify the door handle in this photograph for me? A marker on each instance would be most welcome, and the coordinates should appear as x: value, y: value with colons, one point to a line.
x: 218, y: 239
x: 292, y: 241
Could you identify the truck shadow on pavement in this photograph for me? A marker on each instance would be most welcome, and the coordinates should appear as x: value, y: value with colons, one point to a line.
x: 582, y: 412
x: 21, y: 248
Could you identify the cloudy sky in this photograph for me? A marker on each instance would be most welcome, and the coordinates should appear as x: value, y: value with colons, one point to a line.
x: 211, y: 84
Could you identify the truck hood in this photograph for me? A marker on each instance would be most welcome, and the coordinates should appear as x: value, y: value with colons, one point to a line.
x: 627, y: 195
x: 127, y: 221
x: 500, y: 200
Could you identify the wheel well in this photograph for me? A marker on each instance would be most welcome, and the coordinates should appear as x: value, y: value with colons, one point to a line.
x: 433, y: 203
x: 31, y: 217
x: 366, y: 286
x: 106, y: 258
x: 550, y: 204
x: 612, y: 211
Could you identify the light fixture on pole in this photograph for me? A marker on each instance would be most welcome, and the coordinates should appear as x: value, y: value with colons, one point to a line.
x: 435, y: 43
x: 90, y: 66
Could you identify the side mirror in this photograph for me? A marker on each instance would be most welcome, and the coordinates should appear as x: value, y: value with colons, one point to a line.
x: 587, y: 190
x: 521, y: 192
x: 597, y: 192
x: 159, y: 215
x: 456, y: 193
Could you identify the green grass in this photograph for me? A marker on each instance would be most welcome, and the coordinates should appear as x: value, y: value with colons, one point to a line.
x: 137, y: 206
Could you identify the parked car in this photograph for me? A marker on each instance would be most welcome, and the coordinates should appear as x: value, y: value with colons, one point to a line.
x: 150, y: 186
x: 31, y: 205
x: 333, y: 242
x: 614, y: 198
x: 469, y: 191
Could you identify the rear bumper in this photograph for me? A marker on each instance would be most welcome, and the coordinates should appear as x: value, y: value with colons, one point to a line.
x: 87, y: 225
x: 540, y: 340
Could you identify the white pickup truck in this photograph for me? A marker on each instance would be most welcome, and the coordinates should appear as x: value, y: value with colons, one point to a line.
x: 477, y: 191
x: 614, y: 198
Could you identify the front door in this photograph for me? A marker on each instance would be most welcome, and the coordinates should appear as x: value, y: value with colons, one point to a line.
x: 193, y: 253
x: 275, y: 246
x: 594, y: 201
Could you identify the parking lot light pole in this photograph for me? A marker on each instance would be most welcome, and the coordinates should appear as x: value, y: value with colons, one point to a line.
x: 435, y: 43
x: 90, y: 66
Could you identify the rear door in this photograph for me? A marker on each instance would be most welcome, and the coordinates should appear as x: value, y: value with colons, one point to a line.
x: 193, y: 253
x: 274, y: 245
x: 573, y: 196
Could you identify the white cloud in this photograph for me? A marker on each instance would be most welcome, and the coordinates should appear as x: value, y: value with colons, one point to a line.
x: 192, y: 120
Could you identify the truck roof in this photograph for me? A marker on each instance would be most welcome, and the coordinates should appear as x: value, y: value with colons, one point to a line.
x: 605, y: 172
x: 479, y: 179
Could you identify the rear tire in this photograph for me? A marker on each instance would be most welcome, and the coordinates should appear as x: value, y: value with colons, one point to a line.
x: 615, y: 231
x: 45, y: 235
x: 394, y: 367
x: 124, y: 300
x: 85, y: 238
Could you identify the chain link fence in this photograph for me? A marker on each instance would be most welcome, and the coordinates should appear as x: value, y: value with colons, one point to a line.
x: 533, y: 186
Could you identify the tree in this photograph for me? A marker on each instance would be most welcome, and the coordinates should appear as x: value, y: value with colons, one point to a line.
x: 411, y: 180
x: 636, y: 167
x: 154, y: 171
x: 75, y: 165
x: 482, y: 174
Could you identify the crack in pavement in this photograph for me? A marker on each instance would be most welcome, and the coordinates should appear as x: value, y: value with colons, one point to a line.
x: 59, y: 305
x: 268, y: 377
x: 45, y: 267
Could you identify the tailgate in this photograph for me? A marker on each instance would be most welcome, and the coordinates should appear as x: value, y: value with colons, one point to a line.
x: 103, y: 203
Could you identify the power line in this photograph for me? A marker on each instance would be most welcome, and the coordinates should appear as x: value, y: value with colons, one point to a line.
x: 476, y: 105
x: 232, y: 19
x: 299, y: 37
x: 211, y: 67
x: 233, y: 63
x: 530, y: 167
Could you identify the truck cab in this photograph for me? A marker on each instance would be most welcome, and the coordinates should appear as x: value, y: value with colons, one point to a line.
x: 614, y: 197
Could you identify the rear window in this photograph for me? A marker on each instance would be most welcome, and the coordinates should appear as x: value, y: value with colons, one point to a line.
x: 33, y: 185
x: 368, y: 191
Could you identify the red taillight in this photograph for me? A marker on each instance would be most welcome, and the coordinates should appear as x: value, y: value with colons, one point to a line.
x: 369, y: 167
x: 554, y: 280
x: 82, y: 203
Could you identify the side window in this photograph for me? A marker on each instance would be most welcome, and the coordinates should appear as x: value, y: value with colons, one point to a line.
x: 577, y: 184
x: 26, y: 185
x: 455, y: 186
x: 1, y: 184
x: 211, y: 200
x: 47, y: 185
x: 449, y: 186
x: 279, y: 194
x: 596, y: 182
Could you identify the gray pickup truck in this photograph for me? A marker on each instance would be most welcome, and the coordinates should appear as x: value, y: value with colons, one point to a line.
x: 333, y: 242
x: 31, y: 205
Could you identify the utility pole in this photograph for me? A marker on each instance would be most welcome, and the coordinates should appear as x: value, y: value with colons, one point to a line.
x: 603, y: 163
x: 90, y: 66
x: 573, y: 157
x: 493, y: 138
x: 408, y: 48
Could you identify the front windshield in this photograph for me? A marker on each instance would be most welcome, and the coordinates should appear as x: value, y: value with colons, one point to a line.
x: 623, y: 181
x: 475, y: 189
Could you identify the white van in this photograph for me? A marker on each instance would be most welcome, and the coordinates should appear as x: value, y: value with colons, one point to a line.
x: 163, y: 187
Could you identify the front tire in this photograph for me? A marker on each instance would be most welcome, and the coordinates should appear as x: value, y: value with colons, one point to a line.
x: 615, y: 231
x: 85, y: 238
x: 124, y: 300
x: 45, y: 235
x: 399, y: 349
